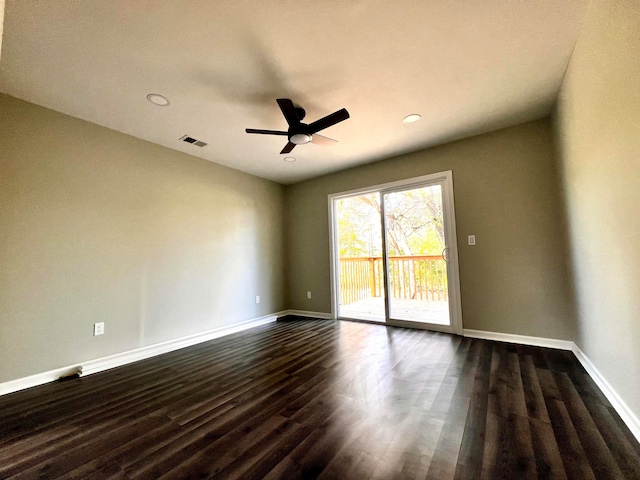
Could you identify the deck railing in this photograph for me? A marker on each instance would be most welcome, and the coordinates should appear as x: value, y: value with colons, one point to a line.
x: 421, y: 277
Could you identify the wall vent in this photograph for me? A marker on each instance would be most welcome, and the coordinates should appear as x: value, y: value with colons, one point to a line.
x: 193, y: 141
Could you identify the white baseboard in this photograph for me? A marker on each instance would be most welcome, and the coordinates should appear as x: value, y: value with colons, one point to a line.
x: 112, y: 361
x: 520, y: 339
x: 35, y: 380
x: 626, y: 414
x: 305, y: 313
x: 119, y: 359
x: 628, y: 417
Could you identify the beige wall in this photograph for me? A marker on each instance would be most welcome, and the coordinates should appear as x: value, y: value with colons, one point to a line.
x: 100, y: 226
x: 506, y: 193
x: 598, y: 125
x: 1, y: 24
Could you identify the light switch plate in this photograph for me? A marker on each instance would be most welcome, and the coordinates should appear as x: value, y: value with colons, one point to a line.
x: 472, y: 239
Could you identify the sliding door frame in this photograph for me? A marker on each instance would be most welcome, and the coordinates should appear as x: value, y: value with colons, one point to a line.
x: 455, y: 306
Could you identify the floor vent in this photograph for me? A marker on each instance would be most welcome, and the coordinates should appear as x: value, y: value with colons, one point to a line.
x: 193, y: 141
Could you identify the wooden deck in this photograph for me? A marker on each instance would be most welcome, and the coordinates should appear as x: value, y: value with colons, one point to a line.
x: 426, y: 311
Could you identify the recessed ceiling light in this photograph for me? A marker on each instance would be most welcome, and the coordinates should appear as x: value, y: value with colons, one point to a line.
x: 289, y: 159
x: 414, y: 117
x: 158, y: 99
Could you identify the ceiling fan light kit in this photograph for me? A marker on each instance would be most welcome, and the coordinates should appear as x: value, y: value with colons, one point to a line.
x: 301, y: 133
x: 300, y: 138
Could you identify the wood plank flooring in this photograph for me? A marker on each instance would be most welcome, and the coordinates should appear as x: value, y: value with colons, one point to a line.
x: 322, y: 399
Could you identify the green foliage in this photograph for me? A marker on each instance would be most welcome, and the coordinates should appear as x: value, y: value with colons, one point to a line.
x: 359, y: 233
x: 414, y: 222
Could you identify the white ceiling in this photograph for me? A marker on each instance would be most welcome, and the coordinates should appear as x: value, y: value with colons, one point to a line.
x: 466, y: 66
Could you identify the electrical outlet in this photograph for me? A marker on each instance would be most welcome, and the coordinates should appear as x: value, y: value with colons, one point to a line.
x: 98, y: 329
x: 257, y: 298
x: 309, y: 294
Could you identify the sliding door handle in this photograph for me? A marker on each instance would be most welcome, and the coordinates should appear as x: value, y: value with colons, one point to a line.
x: 445, y: 252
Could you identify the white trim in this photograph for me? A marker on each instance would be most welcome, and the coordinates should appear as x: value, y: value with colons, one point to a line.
x: 306, y: 313
x: 453, y: 265
x: 119, y: 359
x: 432, y: 327
x: 35, y: 380
x: 112, y: 361
x: 334, y: 267
x: 627, y: 415
x: 519, y: 339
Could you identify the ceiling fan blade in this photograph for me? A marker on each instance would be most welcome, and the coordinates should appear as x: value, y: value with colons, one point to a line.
x: 289, y: 111
x: 288, y: 147
x: 265, y: 132
x: 329, y: 120
x: 322, y: 140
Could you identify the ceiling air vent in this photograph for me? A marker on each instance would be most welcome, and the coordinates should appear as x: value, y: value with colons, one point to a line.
x: 193, y: 141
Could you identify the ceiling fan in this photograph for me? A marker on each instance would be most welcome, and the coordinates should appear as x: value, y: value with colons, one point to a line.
x: 300, y: 133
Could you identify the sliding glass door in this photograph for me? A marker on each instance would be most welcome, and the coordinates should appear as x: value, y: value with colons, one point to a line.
x: 394, y: 255
x: 416, y: 255
x: 359, y: 249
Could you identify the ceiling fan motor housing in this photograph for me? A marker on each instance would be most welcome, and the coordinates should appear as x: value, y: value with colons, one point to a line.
x: 298, y: 133
x: 300, y: 112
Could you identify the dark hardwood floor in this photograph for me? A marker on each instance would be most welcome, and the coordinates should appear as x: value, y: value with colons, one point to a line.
x: 323, y: 399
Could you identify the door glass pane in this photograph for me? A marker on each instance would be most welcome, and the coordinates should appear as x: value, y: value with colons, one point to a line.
x: 359, y: 244
x: 415, y: 239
